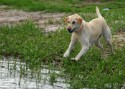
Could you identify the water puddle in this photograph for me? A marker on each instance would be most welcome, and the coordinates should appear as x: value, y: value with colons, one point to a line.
x: 11, y: 77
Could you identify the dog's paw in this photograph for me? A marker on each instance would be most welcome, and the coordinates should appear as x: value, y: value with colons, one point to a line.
x: 74, y: 59
x: 65, y: 55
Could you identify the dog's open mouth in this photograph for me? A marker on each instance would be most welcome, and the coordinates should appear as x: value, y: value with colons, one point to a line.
x: 70, y: 31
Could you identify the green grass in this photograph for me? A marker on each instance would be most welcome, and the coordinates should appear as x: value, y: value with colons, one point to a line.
x: 91, y: 71
x: 60, y: 5
x: 34, y: 47
x: 29, y: 43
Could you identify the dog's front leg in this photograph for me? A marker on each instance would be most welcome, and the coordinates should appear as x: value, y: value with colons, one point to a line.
x: 85, y: 47
x: 71, y: 46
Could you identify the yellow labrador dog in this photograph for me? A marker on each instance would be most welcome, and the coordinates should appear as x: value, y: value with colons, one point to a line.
x: 88, y: 33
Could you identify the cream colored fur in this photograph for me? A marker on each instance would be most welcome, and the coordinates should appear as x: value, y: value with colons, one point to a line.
x: 88, y: 33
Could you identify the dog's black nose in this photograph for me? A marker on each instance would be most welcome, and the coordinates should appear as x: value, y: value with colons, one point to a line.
x: 68, y: 29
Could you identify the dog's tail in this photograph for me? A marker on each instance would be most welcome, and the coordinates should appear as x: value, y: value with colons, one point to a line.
x: 98, y: 12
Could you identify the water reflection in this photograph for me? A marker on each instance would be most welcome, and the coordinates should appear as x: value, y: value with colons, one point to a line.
x: 11, y: 77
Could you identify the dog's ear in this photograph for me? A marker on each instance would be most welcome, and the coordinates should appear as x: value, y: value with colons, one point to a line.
x: 79, y: 20
x: 66, y: 19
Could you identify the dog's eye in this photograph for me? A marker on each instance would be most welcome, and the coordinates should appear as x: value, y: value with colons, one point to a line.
x: 73, y: 22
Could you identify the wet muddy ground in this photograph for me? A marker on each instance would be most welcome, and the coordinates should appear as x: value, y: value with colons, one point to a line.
x: 119, y: 40
x: 45, y: 21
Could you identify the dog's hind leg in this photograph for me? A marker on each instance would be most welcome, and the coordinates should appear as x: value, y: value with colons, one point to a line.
x: 99, y: 45
x: 109, y: 42
x: 108, y: 38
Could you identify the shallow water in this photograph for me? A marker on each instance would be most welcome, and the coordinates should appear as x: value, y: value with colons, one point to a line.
x: 11, y: 78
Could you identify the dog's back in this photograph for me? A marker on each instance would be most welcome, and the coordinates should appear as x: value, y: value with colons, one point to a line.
x: 98, y: 22
x: 98, y: 26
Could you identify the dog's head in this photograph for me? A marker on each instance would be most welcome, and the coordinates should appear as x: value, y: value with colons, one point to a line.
x: 74, y: 22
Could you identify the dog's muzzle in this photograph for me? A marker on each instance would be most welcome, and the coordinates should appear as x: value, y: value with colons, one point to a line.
x: 70, y: 30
